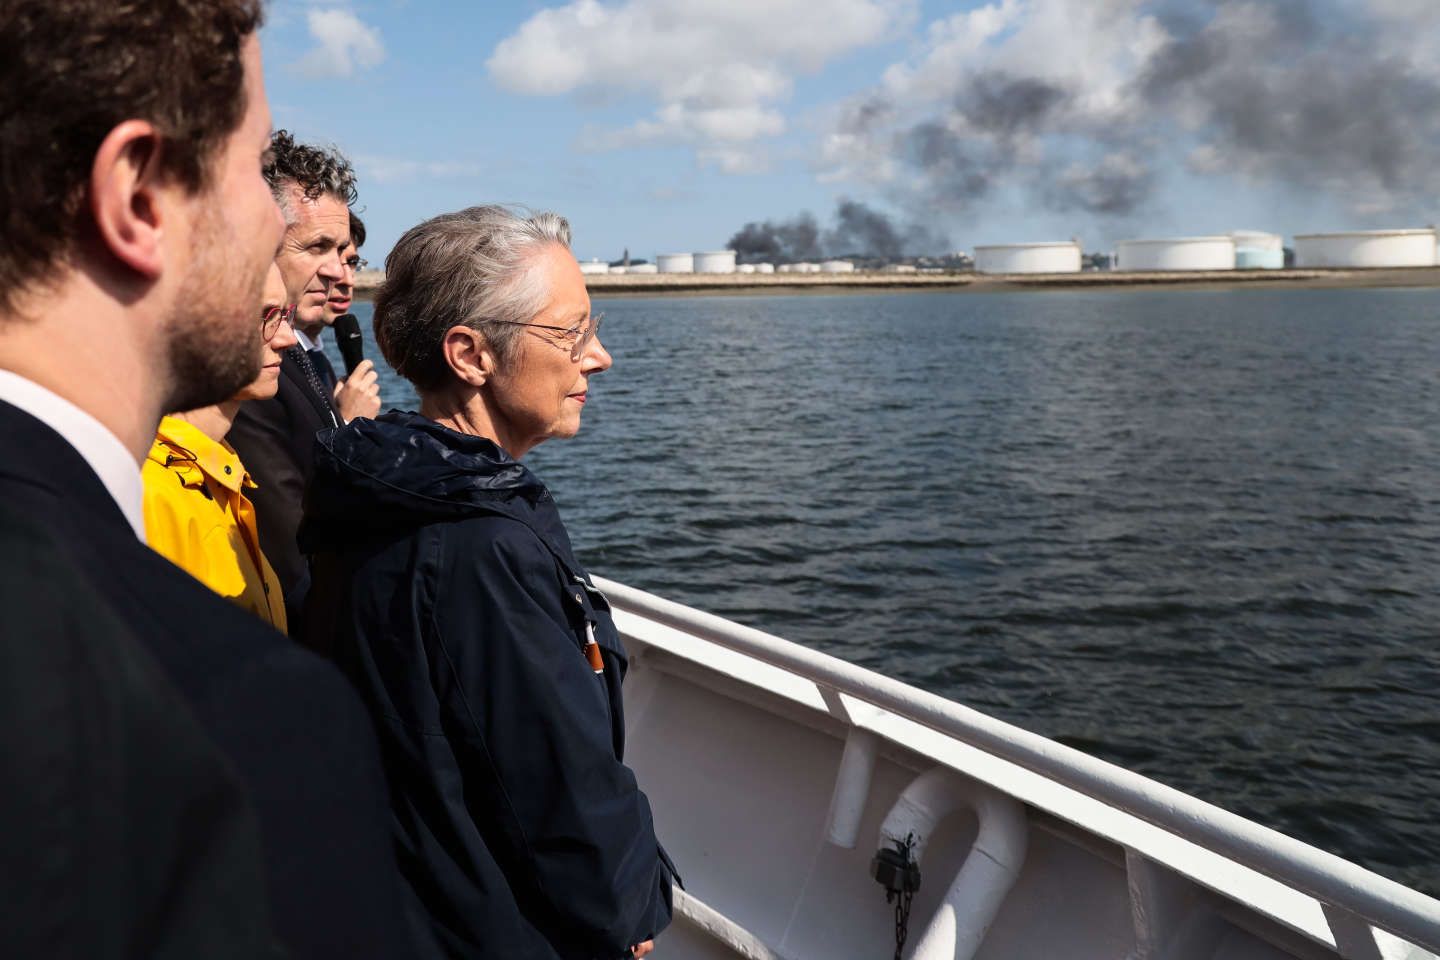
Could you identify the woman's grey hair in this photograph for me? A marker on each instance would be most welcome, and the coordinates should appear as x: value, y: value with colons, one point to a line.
x: 471, y: 267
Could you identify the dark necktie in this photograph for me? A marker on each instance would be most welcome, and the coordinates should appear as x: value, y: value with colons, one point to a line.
x: 312, y: 377
x: 322, y: 366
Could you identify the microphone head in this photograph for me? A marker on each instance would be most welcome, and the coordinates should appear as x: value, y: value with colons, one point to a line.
x: 349, y: 340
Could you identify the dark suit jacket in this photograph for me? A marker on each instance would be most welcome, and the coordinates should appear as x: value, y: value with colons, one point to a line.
x: 276, y: 441
x: 291, y: 726
x: 126, y: 832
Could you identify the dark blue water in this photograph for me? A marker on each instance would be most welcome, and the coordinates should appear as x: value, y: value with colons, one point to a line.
x: 1195, y: 533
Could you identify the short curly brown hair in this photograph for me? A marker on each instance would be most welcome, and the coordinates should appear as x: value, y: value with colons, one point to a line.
x: 317, y: 171
x: 73, y: 70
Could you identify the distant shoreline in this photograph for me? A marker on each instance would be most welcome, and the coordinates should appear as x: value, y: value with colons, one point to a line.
x: 752, y: 284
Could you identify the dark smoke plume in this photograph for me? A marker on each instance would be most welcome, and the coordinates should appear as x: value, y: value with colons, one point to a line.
x: 860, y: 231
x: 1305, y: 96
x: 783, y: 242
x: 1317, y: 106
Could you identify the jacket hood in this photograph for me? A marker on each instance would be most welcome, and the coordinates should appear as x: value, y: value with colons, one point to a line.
x: 402, y: 471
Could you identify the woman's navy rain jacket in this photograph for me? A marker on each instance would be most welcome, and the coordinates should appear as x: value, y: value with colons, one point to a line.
x: 445, y: 586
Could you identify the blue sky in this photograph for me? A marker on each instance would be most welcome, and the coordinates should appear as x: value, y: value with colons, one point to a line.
x: 664, y: 125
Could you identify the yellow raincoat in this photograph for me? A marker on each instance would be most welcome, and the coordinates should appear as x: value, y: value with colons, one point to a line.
x: 198, y: 517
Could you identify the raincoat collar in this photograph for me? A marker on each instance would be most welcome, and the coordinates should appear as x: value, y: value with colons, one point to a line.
x: 186, y: 450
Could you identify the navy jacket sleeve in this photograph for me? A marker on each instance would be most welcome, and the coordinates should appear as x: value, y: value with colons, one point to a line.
x: 578, y: 829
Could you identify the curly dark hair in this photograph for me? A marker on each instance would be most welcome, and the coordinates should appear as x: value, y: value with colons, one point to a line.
x: 357, y: 230
x: 73, y: 70
x: 317, y: 171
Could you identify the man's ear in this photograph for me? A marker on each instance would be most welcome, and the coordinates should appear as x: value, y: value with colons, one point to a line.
x: 126, y: 196
x: 468, y: 355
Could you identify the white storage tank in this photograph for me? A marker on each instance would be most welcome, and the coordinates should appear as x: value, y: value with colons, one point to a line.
x: 1255, y: 250
x: 620, y: 269
x: 675, y: 262
x: 745, y: 268
x: 804, y: 267
x: 764, y: 268
x: 1366, y: 249
x: 900, y: 268
x: 715, y: 261
x: 1052, y: 257
x: 837, y: 266
x: 1177, y: 254
x: 594, y: 266
x: 787, y: 268
x: 642, y: 268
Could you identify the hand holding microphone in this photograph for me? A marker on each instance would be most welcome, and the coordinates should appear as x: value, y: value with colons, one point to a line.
x: 358, y: 395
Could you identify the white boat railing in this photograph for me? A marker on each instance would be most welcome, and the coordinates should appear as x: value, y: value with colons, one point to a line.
x: 1347, y: 892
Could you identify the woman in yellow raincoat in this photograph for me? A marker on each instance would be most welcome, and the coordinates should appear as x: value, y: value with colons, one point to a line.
x: 196, y: 511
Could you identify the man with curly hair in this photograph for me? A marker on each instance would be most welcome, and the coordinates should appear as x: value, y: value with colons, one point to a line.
x: 275, y: 438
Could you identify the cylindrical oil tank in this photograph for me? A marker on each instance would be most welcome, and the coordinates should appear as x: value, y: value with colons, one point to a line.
x: 837, y: 266
x: 1367, y: 249
x: 1061, y: 257
x: 1177, y: 254
x: 642, y: 268
x: 764, y: 268
x: 787, y: 268
x: 620, y: 269
x: 594, y: 266
x: 807, y: 267
x: 1258, y: 251
x: 675, y: 262
x: 715, y: 261
x: 745, y: 268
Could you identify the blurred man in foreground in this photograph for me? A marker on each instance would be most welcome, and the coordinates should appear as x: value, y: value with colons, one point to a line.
x: 314, y: 188
x: 146, y: 724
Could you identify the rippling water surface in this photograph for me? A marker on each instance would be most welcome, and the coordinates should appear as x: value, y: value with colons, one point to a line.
x: 1195, y: 533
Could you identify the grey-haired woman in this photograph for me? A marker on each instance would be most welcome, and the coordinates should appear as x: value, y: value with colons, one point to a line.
x: 446, y: 587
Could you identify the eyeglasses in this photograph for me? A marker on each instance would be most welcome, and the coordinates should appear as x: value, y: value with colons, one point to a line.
x: 582, y: 336
x: 355, y: 263
x: 272, y: 317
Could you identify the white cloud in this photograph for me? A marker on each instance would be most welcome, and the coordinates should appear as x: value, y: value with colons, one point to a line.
x: 717, y: 70
x: 342, y: 44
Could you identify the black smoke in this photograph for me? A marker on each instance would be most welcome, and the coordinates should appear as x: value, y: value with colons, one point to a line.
x: 1304, y: 96
x: 859, y: 231
x: 862, y: 231
x: 784, y: 241
x: 1284, y: 97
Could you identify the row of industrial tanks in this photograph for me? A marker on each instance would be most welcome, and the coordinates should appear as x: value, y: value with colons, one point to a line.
x: 1242, y: 250
x: 714, y: 261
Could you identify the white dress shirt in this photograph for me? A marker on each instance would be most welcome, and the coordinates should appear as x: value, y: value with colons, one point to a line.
x: 107, y: 456
x: 307, y: 342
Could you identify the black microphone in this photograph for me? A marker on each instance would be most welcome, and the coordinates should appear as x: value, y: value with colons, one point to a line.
x: 349, y: 340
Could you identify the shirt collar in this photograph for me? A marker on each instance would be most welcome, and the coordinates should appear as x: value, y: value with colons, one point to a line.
x: 102, y: 450
x: 178, y: 441
x: 306, y: 341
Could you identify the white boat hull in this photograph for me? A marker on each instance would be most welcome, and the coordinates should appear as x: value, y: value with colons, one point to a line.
x: 772, y: 768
